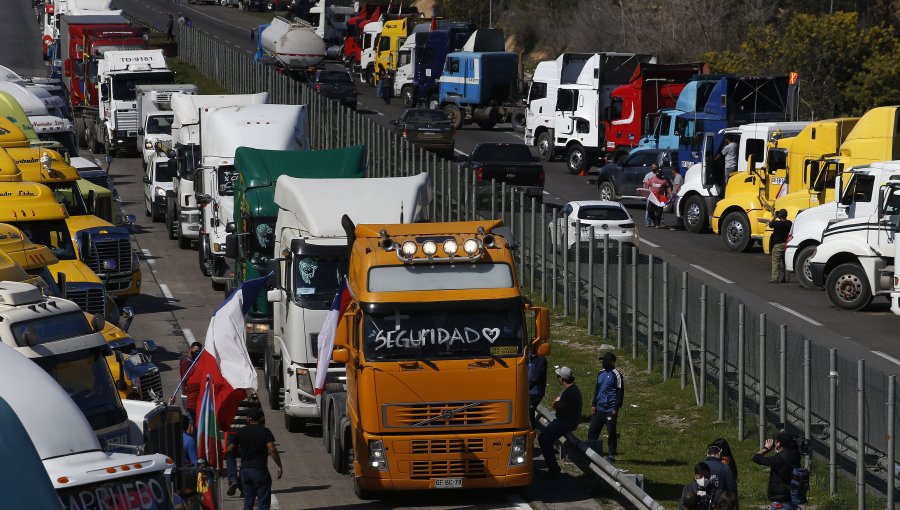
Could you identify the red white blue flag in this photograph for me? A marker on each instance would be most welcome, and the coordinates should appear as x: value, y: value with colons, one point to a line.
x: 327, y: 333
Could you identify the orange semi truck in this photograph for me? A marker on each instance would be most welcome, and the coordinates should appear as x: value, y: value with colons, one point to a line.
x: 435, y: 342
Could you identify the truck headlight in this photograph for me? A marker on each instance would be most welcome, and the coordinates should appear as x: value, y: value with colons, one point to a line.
x: 159, y: 192
x: 257, y: 327
x: 518, y: 451
x: 377, y: 459
x: 304, y: 383
x: 148, y: 145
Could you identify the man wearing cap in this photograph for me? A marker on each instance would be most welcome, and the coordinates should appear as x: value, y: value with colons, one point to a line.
x: 606, y: 401
x: 781, y: 465
x: 255, y: 443
x: 568, y: 413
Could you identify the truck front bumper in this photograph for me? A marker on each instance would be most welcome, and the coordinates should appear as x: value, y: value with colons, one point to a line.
x: 189, y: 224
x: 818, y: 273
x: 895, y: 303
x: 159, y: 205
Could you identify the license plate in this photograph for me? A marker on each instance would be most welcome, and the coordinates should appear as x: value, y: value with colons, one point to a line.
x: 448, y: 483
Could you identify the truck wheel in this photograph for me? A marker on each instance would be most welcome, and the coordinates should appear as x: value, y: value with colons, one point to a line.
x: 171, y: 223
x: 409, y: 99
x: 273, y: 381
x: 293, y: 424
x: 607, y: 191
x: 370, y: 75
x: 848, y: 288
x: 801, y: 267
x: 518, y: 121
x: 455, y: 115
x: 327, y: 426
x: 486, y: 125
x: 736, y: 232
x: 183, y: 242
x: 204, y: 257
x: 433, y: 103
x: 544, y: 146
x: 576, y: 159
x: 694, y: 214
x: 338, y: 455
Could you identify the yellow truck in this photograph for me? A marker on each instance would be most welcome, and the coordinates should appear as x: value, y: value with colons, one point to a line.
x: 437, y: 323
x: 388, y: 42
x: 741, y: 216
x: 102, y: 246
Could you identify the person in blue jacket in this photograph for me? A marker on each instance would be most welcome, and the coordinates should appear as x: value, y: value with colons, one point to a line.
x: 609, y: 392
x: 537, y: 383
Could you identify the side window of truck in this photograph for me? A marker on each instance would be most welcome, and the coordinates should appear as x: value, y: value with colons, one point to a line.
x: 756, y: 148
x: 538, y: 91
x: 665, y: 124
x: 452, y: 65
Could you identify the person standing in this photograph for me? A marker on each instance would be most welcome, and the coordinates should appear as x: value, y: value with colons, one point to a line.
x: 695, y: 495
x: 255, y: 444
x: 677, y: 183
x: 660, y: 189
x: 609, y: 392
x: 379, y: 88
x: 537, y: 383
x: 720, y: 476
x: 568, y: 414
x: 190, y: 393
x: 729, y: 153
x: 170, y: 27
x: 646, y: 184
x: 781, y: 228
x: 781, y: 465
x: 387, y: 88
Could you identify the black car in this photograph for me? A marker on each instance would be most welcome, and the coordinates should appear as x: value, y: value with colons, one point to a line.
x: 252, y: 5
x: 428, y: 128
x: 510, y: 163
x: 335, y: 85
x: 623, y: 180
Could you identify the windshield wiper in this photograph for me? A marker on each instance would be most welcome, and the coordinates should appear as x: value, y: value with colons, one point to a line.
x: 414, y: 357
x: 489, y: 354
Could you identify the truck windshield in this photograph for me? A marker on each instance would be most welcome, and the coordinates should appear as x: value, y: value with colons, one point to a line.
x: 51, y: 233
x: 160, y: 124
x: 123, y: 85
x: 147, y: 491
x: 506, y: 153
x: 226, y: 176
x: 86, y: 378
x: 68, y: 194
x: 316, y: 277
x: 163, y: 171
x: 447, y: 330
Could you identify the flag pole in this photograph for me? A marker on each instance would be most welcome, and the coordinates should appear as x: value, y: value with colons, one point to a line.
x: 186, y: 374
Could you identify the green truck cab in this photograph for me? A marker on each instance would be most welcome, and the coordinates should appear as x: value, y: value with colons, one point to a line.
x: 251, y: 241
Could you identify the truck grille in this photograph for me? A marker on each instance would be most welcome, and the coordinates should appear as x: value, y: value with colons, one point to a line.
x: 448, y: 414
x: 89, y: 300
x: 111, y: 249
x: 437, y: 446
x: 126, y: 120
x: 469, y: 468
x: 151, y: 381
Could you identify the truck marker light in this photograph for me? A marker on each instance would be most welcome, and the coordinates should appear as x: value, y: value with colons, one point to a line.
x: 63, y: 479
x: 451, y: 247
x: 429, y: 248
x: 125, y: 467
x: 409, y: 248
x: 110, y: 469
x: 471, y: 247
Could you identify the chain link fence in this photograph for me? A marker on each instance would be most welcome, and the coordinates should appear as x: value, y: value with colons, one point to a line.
x: 760, y: 374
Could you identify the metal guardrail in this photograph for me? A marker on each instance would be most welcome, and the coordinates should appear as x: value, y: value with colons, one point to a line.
x: 613, y: 476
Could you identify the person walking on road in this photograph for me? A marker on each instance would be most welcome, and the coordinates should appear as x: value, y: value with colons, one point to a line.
x: 387, y: 86
x: 609, y: 392
x: 646, y: 184
x: 537, y: 383
x: 720, y: 476
x: 190, y: 393
x: 568, y: 414
x: 781, y: 228
x: 255, y: 444
x: 781, y: 465
x: 660, y: 188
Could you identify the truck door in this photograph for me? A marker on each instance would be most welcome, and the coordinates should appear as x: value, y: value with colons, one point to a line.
x: 711, y: 173
x: 882, y: 236
x: 566, y: 103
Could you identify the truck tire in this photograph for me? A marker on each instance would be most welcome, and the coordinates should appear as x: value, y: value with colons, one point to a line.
x: 484, y: 124
x: 695, y: 214
x: 801, y: 267
x: 607, y: 191
x: 518, y: 121
x: 327, y: 424
x: 171, y: 220
x: 80, y: 133
x: 736, y: 232
x: 183, y: 242
x: 454, y: 114
x: 409, y: 98
x: 273, y: 379
x: 204, y: 257
x: 94, y: 145
x: 544, y: 144
x: 848, y: 288
x: 293, y: 424
x: 576, y: 158
x: 338, y: 454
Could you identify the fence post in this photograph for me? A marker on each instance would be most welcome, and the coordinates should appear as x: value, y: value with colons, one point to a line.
x: 740, y: 409
x: 665, y: 321
x: 554, y: 247
x: 577, y: 278
x: 493, y: 198
x: 544, y: 232
x: 891, y: 426
x: 684, y: 307
x: 605, y: 317
x: 531, y: 254
x: 723, y: 359
x: 564, y: 250
x: 620, y: 307
x: 807, y: 390
x: 650, y: 295
x: 782, y: 376
x: 521, y: 235
x: 762, y: 379
x: 634, y: 302
x: 503, y: 202
x: 703, y: 348
x: 832, y: 421
x: 590, y: 283
x: 861, y: 436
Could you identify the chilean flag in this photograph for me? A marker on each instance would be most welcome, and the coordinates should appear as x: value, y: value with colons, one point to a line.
x: 224, y: 367
x: 328, y: 332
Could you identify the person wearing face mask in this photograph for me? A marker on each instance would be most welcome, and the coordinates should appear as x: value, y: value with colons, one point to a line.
x: 190, y: 393
x: 695, y: 495
x: 609, y: 392
x: 721, y: 478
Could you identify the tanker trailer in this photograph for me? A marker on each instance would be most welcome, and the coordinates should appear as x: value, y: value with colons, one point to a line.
x: 291, y: 46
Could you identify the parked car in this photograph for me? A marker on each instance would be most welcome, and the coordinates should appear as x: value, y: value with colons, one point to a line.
x: 430, y: 129
x: 616, y: 181
x: 335, y: 85
x: 510, y: 163
x: 608, y: 219
x: 157, y: 184
x: 253, y: 5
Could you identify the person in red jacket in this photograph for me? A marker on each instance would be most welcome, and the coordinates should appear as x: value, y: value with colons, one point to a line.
x: 190, y: 393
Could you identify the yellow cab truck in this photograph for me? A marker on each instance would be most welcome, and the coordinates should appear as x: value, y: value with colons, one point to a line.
x: 740, y: 217
x: 102, y: 246
x: 388, y: 43
x: 435, y: 341
x: 11, y: 136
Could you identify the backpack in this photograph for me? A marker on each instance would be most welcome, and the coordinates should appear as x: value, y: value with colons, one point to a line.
x: 799, y: 485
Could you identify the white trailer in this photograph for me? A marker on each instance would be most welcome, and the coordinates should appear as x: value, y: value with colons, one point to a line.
x: 291, y: 45
x: 182, y: 211
x: 45, y: 112
x: 154, y: 113
x: 310, y: 230
x: 223, y: 130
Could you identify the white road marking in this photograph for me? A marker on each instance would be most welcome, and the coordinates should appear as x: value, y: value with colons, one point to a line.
x: 517, y: 501
x: 147, y: 257
x: 166, y: 292
x: 460, y: 152
x: 274, y: 504
x: 648, y: 243
x: 795, y: 313
x: 887, y: 357
x: 188, y: 336
x: 714, y: 275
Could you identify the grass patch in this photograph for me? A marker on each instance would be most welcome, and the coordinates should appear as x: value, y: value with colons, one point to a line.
x: 186, y: 73
x: 662, y: 433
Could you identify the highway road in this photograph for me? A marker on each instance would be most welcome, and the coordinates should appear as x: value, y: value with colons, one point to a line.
x: 743, y: 274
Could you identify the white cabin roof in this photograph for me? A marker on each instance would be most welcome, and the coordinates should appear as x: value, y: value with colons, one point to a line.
x: 187, y: 106
x: 260, y: 126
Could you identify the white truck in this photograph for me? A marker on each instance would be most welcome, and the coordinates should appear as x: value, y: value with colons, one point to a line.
x: 701, y: 191
x: 855, y: 261
x: 330, y: 18
x: 310, y: 234
x: 223, y: 130
x: 154, y: 113
x: 83, y: 475
x: 367, y: 53
x: 572, y: 124
x: 115, y: 123
x: 182, y: 211
x: 45, y: 113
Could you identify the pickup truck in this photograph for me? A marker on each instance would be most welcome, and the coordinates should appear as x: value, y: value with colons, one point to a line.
x: 511, y: 163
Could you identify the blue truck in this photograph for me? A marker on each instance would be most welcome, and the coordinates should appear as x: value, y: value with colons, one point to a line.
x: 663, y: 134
x: 426, y: 53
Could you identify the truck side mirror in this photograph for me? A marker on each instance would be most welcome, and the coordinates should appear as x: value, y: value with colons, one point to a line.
x: 340, y: 355
x: 127, y: 316
x: 275, y: 296
x: 91, y: 202
x: 98, y: 322
x: 104, y: 92
x: 542, y: 349
x: 229, y: 228
x: 61, y: 280
x: 231, y: 250
x: 150, y: 345
x: 541, y: 325
x: 141, y: 131
x: 147, y: 180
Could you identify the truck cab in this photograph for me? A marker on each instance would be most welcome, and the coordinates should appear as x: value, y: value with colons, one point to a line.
x: 371, y: 32
x: 420, y: 61
x: 155, y: 116
x: 158, y: 185
x: 389, y: 41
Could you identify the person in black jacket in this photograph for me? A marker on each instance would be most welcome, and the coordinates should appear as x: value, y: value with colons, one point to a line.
x: 780, y: 466
x: 721, y: 478
x: 537, y: 383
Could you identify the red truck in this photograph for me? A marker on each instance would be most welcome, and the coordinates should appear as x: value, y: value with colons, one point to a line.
x: 353, y: 39
x: 82, y: 38
x: 634, y: 105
